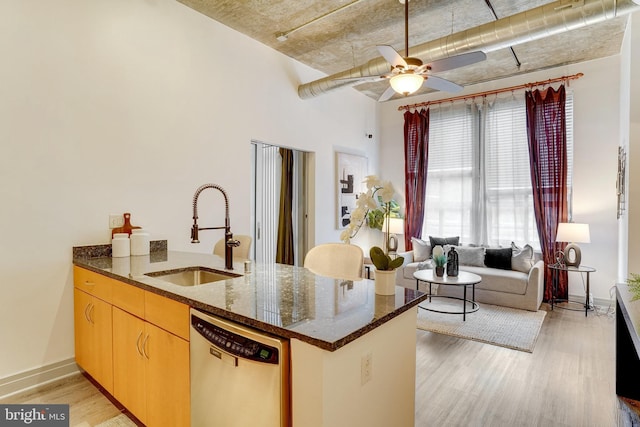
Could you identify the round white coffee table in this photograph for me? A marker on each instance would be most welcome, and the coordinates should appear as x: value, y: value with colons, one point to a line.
x: 463, y: 279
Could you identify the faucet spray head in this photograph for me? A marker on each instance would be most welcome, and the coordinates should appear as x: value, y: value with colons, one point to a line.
x: 194, y: 234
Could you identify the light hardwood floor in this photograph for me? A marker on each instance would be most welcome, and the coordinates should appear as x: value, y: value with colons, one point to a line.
x: 567, y: 381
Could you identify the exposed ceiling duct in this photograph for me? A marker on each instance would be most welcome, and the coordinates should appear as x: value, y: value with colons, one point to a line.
x: 544, y: 21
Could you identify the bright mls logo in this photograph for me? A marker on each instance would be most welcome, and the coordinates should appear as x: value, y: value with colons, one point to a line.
x: 34, y: 415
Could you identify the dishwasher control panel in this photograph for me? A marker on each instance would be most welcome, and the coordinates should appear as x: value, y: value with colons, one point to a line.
x: 235, y: 344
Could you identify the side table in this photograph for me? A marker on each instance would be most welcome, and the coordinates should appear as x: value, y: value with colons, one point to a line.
x: 579, y: 269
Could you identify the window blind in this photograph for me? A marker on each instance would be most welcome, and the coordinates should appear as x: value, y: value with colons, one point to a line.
x: 478, y: 177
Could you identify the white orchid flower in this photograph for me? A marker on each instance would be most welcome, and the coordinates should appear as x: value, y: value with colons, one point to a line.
x: 371, y: 181
x: 438, y: 251
x: 345, y: 236
x: 387, y: 191
x: 357, y: 215
x: 362, y: 199
x: 368, y: 202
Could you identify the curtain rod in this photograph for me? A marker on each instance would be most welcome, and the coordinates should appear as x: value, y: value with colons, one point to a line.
x: 492, y: 92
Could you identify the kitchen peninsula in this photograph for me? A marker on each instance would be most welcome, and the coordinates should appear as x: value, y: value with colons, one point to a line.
x: 352, y: 352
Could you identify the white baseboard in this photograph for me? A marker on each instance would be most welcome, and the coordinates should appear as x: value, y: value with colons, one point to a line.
x: 38, y: 376
x: 598, y: 302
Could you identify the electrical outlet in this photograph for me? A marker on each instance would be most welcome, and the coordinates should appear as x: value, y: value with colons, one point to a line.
x: 366, y: 368
x: 116, y: 220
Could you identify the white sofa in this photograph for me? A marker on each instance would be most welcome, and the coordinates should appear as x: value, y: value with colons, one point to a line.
x: 509, y: 288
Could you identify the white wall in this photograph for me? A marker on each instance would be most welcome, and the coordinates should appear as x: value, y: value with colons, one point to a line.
x: 633, y: 213
x: 112, y: 106
x: 596, y: 139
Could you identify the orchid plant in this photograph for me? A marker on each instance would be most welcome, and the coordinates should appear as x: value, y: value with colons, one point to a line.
x: 439, y: 258
x: 367, y: 202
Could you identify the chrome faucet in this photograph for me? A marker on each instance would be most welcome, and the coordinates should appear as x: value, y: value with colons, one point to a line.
x: 229, y: 242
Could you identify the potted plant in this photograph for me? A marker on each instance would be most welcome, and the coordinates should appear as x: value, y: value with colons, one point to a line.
x: 439, y: 260
x: 386, y: 266
x: 634, y: 286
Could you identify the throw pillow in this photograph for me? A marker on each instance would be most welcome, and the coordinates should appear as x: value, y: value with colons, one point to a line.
x: 498, y: 258
x: 470, y: 256
x: 522, y: 258
x: 442, y: 241
x: 421, y: 249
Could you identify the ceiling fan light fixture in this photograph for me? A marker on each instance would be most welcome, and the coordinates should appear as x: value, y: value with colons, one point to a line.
x: 406, y: 83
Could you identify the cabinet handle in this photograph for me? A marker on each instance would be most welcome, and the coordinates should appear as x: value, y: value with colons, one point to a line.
x: 88, y: 283
x: 138, y: 344
x: 91, y: 314
x: 144, y: 346
x: 86, y: 312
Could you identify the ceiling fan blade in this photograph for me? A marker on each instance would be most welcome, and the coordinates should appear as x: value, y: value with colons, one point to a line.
x: 392, y: 57
x: 387, y: 94
x: 456, y: 61
x: 439, y: 83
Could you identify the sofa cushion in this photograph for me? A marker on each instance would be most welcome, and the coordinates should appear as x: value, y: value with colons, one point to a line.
x: 412, y: 267
x: 498, y: 258
x: 421, y: 249
x: 442, y: 241
x: 498, y: 280
x: 468, y: 255
x: 522, y: 258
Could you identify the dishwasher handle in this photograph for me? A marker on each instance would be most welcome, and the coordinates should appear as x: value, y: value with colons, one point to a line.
x: 223, y: 356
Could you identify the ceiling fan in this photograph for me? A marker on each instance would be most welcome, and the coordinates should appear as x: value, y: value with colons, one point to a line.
x: 408, y: 74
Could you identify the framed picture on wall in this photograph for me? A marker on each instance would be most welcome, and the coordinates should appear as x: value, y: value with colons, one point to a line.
x: 351, y: 170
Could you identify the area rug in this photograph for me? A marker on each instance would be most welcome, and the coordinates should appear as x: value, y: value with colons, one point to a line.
x: 491, y: 324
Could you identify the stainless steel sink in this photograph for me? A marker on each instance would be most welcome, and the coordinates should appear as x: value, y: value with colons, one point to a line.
x: 192, y: 276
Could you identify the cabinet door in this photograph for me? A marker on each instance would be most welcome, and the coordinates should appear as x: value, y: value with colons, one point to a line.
x: 93, y: 338
x: 129, y: 362
x: 168, y: 385
x: 102, y: 342
x: 82, y: 329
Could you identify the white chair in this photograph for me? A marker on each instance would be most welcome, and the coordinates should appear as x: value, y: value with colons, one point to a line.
x: 337, y: 260
x: 239, y: 252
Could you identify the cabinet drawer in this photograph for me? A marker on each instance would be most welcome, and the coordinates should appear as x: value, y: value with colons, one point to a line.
x: 129, y: 298
x: 92, y: 283
x: 170, y: 315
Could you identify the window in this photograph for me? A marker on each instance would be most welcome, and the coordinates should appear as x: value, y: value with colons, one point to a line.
x: 478, y: 180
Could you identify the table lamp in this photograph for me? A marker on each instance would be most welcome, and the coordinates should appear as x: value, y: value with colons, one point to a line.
x: 573, y: 233
x: 393, y: 226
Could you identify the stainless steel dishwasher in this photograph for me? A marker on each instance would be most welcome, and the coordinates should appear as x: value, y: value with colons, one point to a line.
x: 239, y: 377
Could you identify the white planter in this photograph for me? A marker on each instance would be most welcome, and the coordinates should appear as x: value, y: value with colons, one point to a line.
x: 385, y: 282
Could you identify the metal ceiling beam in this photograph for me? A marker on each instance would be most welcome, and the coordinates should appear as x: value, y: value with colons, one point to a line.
x: 544, y: 21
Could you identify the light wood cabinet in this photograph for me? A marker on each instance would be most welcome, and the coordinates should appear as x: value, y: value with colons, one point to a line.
x: 129, y: 363
x: 150, y: 362
x: 167, y: 379
x: 151, y: 371
x: 93, y: 337
x: 136, y: 345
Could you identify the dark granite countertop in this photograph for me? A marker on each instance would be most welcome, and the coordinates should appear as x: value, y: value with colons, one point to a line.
x: 630, y: 311
x: 281, y: 300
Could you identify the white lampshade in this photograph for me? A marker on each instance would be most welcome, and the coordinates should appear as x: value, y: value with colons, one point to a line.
x: 396, y: 225
x: 406, y: 83
x: 573, y: 233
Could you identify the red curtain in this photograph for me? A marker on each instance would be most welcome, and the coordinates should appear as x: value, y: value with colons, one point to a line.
x: 416, y: 153
x: 546, y: 129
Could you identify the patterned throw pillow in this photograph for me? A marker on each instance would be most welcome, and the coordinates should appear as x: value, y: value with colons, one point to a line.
x: 498, y: 258
x: 421, y: 249
x: 522, y: 258
x: 468, y: 255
